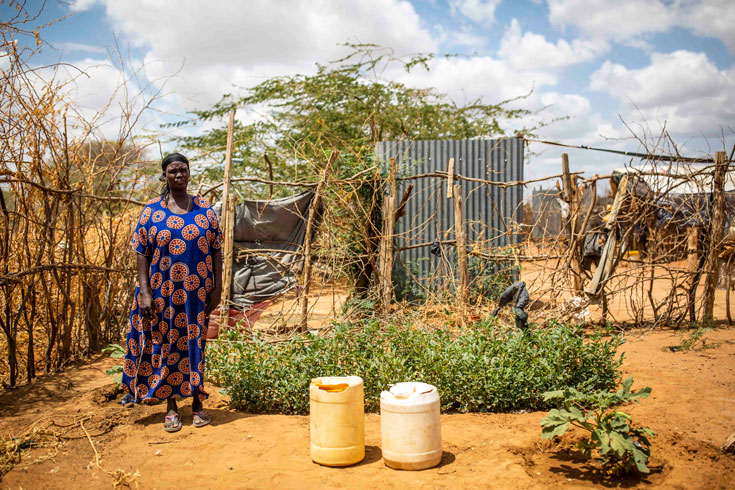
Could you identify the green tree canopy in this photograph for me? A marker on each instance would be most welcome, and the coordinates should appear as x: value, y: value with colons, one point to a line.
x: 345, y: 105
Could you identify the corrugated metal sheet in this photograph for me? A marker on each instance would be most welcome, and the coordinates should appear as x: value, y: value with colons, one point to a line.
x: 490, y: 211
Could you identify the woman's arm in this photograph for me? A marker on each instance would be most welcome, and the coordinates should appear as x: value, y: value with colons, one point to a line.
x: 213, y: 298
x: 145, y: 297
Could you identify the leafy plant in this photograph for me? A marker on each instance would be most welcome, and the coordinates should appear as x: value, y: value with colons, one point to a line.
x: 690, y: 342
x: 480, y: 369
x: 357, y: 307
x: 619, y: 444
x: 116, y: 351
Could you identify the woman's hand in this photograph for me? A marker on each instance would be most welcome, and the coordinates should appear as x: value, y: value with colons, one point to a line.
x: 213, y: 299
x: 145, y: 301
x: 214, y: 296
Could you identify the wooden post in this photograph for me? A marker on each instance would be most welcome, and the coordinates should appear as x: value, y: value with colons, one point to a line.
x: 385, y: 253
x: 571, y: 196
x: 228, y: 224
x: 610, y: 250
x: 460, y: 237
x: 450, y: 178
x: 717, y: 219
x: 693, y: 267
x: 313, y: 209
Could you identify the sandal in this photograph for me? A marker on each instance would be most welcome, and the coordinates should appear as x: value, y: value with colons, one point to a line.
x: 128, y: 401
x: 201, y: 418
x: 172, y: 423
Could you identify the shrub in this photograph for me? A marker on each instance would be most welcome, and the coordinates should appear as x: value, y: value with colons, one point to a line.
x: 618, y: 443
x: 483, y: 368
x: 116, y: 351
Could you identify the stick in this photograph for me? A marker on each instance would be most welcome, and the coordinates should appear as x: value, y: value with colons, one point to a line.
x: 385, y: 254
x: 571, y: 196
x: 400, y: 210
x: 717, y: 218
x: 313, y: 209
x: 459, y: 234
x: 228, y: 220
x: 270, y: 175
x: 386, y: 249
x: 450, y: 175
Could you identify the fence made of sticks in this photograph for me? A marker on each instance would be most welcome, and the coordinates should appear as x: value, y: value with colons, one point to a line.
x: 69, y: 200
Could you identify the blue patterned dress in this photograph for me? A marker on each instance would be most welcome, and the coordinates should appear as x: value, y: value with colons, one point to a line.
x: 165, y: 359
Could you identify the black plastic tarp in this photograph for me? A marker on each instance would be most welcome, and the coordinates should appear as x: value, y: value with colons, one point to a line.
x: 265, y: 234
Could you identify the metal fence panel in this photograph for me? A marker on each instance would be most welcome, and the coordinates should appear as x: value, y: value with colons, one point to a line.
x: 491, y: 212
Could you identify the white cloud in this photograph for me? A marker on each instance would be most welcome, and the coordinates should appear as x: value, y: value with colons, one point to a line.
x: 467, y: 79
x: 626, y: 21
x: 582, y: 126
x: 102, y: 97
x: 683, y: 88
x: 220, y: 44
x: 480, y: 11
x: 4, y: 61
x: 459, y: 38
x: 532, y: 51
x: 710, y: 18
x: 72, y: 46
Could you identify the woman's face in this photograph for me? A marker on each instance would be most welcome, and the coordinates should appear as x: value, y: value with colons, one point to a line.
x: 177, y: 176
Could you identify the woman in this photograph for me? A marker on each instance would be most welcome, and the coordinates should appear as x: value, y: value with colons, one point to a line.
x: 177, y: 240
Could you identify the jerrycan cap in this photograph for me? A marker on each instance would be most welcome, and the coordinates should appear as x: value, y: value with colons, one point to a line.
x: 410, y: 390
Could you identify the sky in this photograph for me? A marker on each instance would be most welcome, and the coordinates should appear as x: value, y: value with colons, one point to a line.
x: 613, y: 69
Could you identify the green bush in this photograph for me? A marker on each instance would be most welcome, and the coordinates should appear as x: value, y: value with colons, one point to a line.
x: 483, y: 368
x: 620, y: 446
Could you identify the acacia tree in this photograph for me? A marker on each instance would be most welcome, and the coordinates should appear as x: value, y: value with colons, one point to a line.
x: 346, y: 105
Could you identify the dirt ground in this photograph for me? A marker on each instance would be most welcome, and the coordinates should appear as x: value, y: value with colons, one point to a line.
x: 692, y: 409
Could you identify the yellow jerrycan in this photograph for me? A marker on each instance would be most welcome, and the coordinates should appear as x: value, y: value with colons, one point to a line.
x: 337, y: 420
x: 410, y: 426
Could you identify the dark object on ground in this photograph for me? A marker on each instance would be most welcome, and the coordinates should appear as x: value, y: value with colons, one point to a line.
x: 728, y: 447
x: 515, y: 294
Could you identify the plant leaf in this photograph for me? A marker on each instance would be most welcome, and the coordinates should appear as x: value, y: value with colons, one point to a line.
x: 620, y: 444
x: 549, y: 432
x: 640, y: 458
x: 551, y: 395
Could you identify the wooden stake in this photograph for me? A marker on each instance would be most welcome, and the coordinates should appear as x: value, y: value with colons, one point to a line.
x: 385, y: 254
x: 313, y: 209
x: 571, y: 196
x: 450, y: 175
x: 610, y: 250
x: 228, y: 224
x: 717, y: 218
x: 385, y: 251
x: 459, y: 234
x: 693, y: 267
